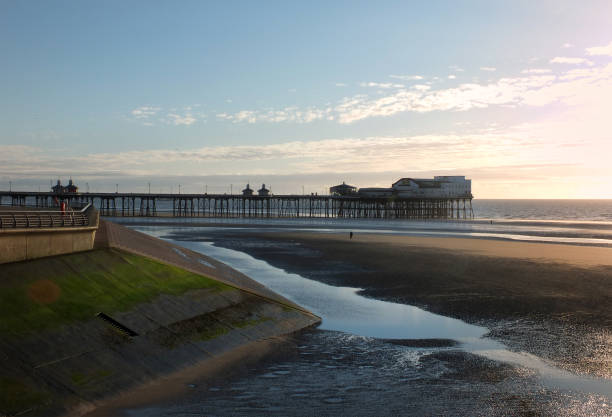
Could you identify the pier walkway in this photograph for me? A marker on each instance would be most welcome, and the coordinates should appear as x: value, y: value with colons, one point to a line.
x: 232, y: 205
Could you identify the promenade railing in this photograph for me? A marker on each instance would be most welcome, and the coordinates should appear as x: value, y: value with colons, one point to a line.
x: 35, y: 218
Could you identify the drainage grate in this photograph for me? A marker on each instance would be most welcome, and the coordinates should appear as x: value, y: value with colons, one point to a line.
x: 117, y: 325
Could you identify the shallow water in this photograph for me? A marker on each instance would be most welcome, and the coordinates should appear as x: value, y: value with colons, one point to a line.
x: 555, y: 231
x: 338, y: 374
x: 344, y: 310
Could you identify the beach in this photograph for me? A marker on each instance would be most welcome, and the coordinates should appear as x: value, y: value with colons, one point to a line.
x: 531, y: 298
x: 551, y: 300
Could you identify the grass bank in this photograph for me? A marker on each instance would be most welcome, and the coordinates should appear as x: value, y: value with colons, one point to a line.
x: 47, y: 293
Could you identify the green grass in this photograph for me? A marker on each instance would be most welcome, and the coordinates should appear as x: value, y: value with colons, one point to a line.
x: 105, y: 280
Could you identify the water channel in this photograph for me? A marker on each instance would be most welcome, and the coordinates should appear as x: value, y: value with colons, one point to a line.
x: 362, y: 323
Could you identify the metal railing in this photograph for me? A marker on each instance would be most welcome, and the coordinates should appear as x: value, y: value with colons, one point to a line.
x: 38, y: 219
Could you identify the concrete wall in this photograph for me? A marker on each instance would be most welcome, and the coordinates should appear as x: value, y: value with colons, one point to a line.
x: 22, y: 244
x: 60, y: 361
x: 19, y: 245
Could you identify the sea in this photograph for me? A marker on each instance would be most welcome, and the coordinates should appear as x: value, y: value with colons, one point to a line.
x: 559, y: 210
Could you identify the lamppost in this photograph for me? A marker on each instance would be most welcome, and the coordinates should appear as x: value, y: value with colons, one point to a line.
x: 179, y: 188
x: 149, y: 187
x: 10, y: 186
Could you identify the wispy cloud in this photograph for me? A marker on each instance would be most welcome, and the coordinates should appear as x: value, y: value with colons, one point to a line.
x: 421, y: 87
x: 533, y: 87
x: 185, y: 120
x: 570, y: 60
x: 536, y: 87
x: 145, y: 112
x: 381, y: 85
x: 288, y: 114
x: 340, y: 84
x: 149, y: 115
x: 600, y: 50
x: 536, y: 71
x: 407, y: 77
x: 333, y: 155
x: 536, y: 155
x: 567, y: 45
x: 463, y: 97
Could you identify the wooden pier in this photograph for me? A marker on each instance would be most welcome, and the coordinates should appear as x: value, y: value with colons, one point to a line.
x: 239, y: 206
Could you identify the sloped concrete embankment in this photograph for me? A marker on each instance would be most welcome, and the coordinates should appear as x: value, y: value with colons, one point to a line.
x: 59, y: 355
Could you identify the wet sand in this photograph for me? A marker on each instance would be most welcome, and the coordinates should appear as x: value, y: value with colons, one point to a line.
x: 551, y: 300
x: 547, y: 299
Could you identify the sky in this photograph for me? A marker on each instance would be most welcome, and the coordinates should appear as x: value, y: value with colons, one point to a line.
x: 516, y: 95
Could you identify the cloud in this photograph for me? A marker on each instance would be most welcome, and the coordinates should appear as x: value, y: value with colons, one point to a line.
x: 490, y: 69
x: 145, y: 112
x: 534, y: 87
x: 570, y: 60
x: 407, y: 77
x: 330, y: 155
x: 600, y: 50
x: 536, y: 71
x: 288, y: 114
x: 381, y: 85
x: 463, y: 97
x: 340, y: 85
x: 185, y: 120
x: 565, y: 154
x: 149, y: 115
x: 567, y: 45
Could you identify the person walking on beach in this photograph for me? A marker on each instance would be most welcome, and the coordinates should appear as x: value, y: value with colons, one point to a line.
x: 350, y: 235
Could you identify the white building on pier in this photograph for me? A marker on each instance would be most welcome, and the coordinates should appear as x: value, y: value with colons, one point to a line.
x: 438, y: 187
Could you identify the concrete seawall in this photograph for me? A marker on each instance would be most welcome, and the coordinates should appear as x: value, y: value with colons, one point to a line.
x: 32, y: 243
x: 23, y: 244
x: 168, y: 311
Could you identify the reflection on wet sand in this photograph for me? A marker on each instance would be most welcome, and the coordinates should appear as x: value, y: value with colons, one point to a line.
x: 344, y: 310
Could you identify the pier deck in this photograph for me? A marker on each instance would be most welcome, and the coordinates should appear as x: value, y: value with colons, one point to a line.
x: 232, y: 205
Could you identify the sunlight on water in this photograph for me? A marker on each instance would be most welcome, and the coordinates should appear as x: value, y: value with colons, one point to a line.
x: 552, y: 231
x: 343, y: 309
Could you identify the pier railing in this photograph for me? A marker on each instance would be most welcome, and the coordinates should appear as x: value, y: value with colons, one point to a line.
x: 25, y: 219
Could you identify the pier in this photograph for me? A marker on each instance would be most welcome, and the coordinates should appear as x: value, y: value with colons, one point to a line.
x: 251, y: 206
